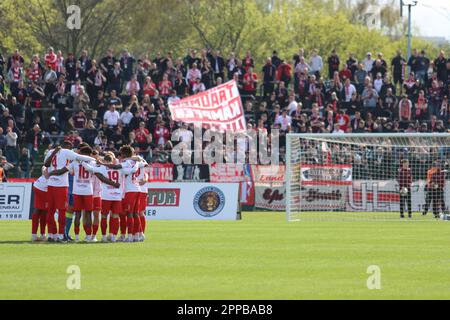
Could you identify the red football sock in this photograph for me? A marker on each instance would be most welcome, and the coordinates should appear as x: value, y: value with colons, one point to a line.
x: 35, y: 223
x: 143, y: 223
x: 123, y: 225
x: 42, y: 222
x: 114, y: 226
x: 104, y: 225
x: 87, y: 229
x: 94, y: 229
x: 62, y: 220
x: 130, y: 223
x: 51, y: 222
x: 137, y: 225
x: 76, y: 229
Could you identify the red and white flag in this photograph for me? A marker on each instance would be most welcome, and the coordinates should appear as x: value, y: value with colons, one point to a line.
x: 219, y: 108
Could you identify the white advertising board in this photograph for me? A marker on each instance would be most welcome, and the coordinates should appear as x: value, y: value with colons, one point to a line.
x: 15, y: 201
x: 192, y: 201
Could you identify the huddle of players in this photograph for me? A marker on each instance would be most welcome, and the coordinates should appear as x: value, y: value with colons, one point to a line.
x: 85, y: 185
x: 434, y: 189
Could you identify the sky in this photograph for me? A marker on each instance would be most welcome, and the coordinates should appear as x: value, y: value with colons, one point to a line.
x: 432, y: 17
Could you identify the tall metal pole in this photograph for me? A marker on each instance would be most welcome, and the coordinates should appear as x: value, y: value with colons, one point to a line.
x: 409, y: 34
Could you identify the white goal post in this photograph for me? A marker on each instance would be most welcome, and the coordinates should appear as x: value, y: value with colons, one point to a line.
x: 360, y: 176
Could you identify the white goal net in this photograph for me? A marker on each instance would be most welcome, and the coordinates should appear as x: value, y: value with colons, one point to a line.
x: 367, y: 176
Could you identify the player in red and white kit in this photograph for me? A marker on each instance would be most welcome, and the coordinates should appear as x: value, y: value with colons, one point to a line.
x: 143, y: 199
x: 131, y: 197
x: 83, y: 191
x: 97, y: 203
x: 58, y: 183
x: 111, y: 195
x: 39, y: 217
x: 83, y: 196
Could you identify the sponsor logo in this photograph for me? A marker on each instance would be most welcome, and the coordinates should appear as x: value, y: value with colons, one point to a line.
x: 163, y: 197
x: 272, y: 195
x: 209, y: 202
x: 11, y: 199
x: 315, y: 195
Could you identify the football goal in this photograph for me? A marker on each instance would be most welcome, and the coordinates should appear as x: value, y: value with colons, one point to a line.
x: 367, y: 176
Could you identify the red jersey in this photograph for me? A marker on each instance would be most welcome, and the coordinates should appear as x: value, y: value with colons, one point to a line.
x: 404, y: 178
x: 249, y: 81
x: 51, y: 60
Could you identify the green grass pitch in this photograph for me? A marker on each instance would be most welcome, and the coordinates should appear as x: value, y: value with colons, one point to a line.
x: 260, y: 257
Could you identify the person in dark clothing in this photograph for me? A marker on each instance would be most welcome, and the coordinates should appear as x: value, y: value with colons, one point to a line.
x: 398, y: 69
x: 333, y: 64
x: 269, y: 75
x: 404, y: 180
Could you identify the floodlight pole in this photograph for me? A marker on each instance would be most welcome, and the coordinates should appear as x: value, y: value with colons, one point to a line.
x: 409, y: 33
x: 409, y: 4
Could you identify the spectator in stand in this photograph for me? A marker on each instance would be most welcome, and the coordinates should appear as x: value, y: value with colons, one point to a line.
x: 2, y: 141
x: 127, y: 65
x: 114, y: 77
x: 70, y: 68
x: 368, y: 63
x: 343, y: 120
x: 126, y: 116
x: 112, y: 117
x: 405, y: 109
x: 284, y: 121
x: 15, y: 75
x: 422, y: 67
x: 217, y: 64
x: 25, y: 164
x: 133, y: 87
x: 198, y: 87
x: 284, y: 72
x: 378, y: 68
x: 192, y: 75
x: 82, y: 101
x: 79, y: 120
x: 54, y: 132
x: 378, y: 83
x: 50, y: 80
x: 248, y: 61
x: 51, y: 59
x: 345, y: 73
x: 150, y: 87
x: 269, y: 77
x: 348, y: 91
x: 333, y: 63
x: 161, y: 133
x: 33, y: 140
x: 435, y: 97
x: 316, y: 63
x: 440, y: 65
x: 76, y: 88
x: 250, y: 82
x: 421, y: 107
x: 85, y: 63
x: 11, y: 144
x: 165, y: 86
x: 15, y: 59
x: 398, y: 65
x: 370, y: 98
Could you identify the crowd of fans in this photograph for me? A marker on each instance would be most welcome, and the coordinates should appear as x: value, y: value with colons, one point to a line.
x: 120, y: 100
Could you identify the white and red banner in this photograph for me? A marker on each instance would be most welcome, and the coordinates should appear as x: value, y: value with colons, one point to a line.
x: 270, y: 197
x: 160, y: 172
x: 269, y: 174
x: 218, y: 108
x: 327, y: 174
x: 226, y: 173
